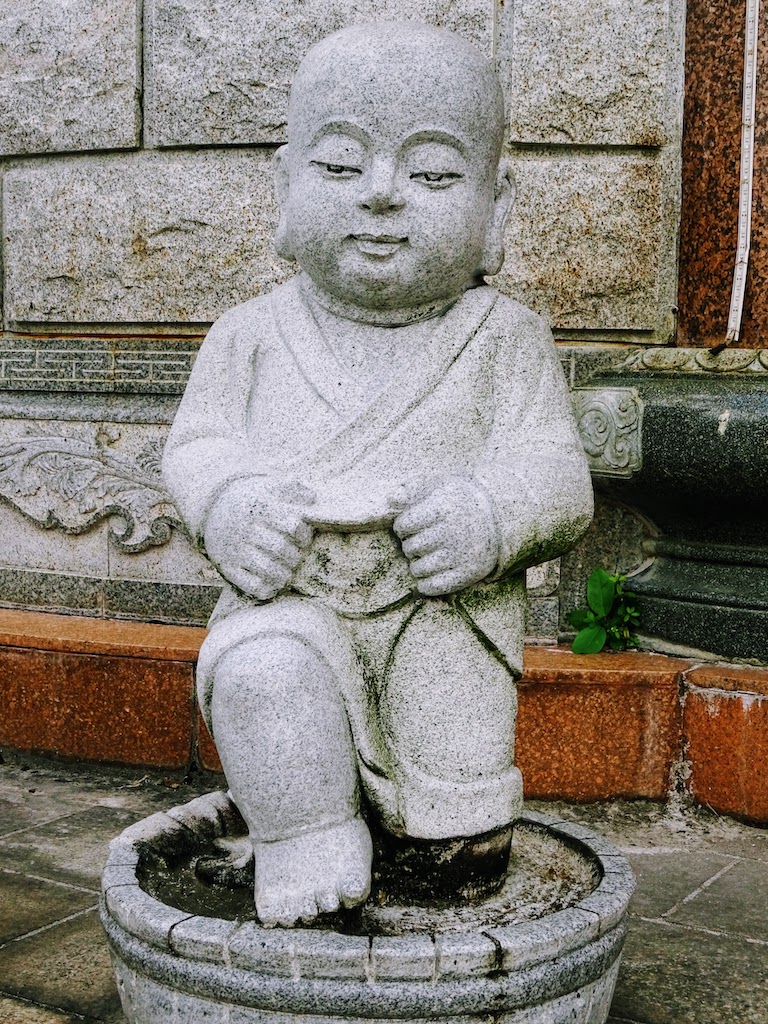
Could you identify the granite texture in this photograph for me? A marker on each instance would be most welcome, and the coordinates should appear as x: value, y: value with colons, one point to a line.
x: 583, y: 240
x: 726, y: 730
x: 219, y: 73
x: 30, y: 547
x: 51, y: 591
x: 379, y: 431
x: 145, y: 601
x: 562, y: 966
x: 590, y: 73
x: 711, y: 146
x: 83, y: 407
x: 69, y: 76
x: 183, y: 604
x: 148, y: 238
x: 67, y: 704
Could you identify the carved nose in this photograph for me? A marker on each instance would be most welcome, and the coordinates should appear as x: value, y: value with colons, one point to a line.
x: 381, y: 194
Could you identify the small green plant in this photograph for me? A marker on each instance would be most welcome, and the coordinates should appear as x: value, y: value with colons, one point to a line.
x: 610, y: 617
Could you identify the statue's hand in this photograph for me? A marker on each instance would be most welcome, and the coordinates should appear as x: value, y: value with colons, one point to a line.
x: 255, y: 539
x: 448, y: 530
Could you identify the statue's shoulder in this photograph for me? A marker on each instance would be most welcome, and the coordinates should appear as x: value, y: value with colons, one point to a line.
x: 512, y: 319
x: 252, y: 311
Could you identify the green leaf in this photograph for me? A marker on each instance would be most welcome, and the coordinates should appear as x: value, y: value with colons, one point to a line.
x: 601, y: 591
x: 589, y: 640
x: 580, y: 617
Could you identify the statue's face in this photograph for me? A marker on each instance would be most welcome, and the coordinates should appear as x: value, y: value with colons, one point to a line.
x: 390, y: 190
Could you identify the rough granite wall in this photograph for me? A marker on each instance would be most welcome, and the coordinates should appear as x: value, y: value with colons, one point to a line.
x: 135, y: 146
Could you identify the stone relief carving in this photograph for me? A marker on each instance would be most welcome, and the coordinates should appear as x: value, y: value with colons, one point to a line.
x: 73, y: 483
x: 609, y: 421
x: 686, y: 360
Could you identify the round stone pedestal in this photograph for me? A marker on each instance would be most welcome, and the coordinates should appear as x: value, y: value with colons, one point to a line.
x: 543, y: 950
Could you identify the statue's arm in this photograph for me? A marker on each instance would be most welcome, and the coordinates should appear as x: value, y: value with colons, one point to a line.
x: 533, y: 467
x: 254, y: 537
x: 207, y: 450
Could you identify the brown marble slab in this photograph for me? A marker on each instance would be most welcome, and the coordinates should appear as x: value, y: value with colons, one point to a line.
x: 711, y: 154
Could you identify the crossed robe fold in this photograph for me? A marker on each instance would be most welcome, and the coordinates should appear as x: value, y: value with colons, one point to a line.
x: 270, y: 401
x: 485, y: 397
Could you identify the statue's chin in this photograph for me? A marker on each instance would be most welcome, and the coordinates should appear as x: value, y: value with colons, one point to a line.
x: 379, y: 307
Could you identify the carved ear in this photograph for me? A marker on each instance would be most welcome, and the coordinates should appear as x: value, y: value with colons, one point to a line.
x: 503, y: 197
x: 280, y: 178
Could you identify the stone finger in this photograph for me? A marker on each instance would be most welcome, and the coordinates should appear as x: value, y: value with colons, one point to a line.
x: 250, y: 583
x: 430, y: 565
x: 278, y: 547
x: 414, y: 520
x: 263, y: 564
x: 423, y: 543
x: 442, y: 583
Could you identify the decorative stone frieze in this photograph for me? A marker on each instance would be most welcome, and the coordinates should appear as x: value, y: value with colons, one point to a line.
x: 698, y: 360
x: 73, y: 483
x: 610, y: 421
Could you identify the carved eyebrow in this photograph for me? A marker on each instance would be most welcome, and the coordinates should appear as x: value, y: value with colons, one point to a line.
x: 349, y: 128
x: 435, y: 135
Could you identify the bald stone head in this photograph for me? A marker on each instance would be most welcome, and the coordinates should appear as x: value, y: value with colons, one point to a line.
x: 392, y: 198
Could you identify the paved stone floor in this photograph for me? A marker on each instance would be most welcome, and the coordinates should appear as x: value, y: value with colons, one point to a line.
x: 697, y: 951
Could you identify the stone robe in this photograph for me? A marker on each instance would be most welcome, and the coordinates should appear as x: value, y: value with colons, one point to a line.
x: 483, y: 397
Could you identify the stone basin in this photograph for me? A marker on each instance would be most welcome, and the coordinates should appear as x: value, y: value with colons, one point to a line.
x: 543, y: 950
x: 702, y: 480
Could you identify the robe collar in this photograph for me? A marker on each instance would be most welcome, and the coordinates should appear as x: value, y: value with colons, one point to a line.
x: 367, y: 421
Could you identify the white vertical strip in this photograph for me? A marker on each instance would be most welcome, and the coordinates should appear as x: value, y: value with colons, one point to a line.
x: 746, y: 174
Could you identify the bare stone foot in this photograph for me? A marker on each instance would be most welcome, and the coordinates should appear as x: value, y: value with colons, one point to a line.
x: 297, y: 879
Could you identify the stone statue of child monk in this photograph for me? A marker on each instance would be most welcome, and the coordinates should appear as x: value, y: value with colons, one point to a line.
x: 370, y: 456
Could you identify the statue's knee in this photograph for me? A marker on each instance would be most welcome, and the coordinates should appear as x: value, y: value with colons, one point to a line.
x: 267, y: 665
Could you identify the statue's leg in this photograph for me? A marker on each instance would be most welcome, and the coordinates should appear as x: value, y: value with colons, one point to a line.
x: 448, y: 708
x: 284, y: 740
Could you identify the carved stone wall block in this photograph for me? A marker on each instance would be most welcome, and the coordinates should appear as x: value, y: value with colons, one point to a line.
x: 610, y: 424
x: 73, y: 477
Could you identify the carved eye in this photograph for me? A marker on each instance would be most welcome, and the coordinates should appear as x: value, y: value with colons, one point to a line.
x: 337, y: 170
x: 436, y: 179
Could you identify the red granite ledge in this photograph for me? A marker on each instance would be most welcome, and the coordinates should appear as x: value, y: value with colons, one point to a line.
x: 726, y: 735
x: 82, y: 635
x: 625, y: 668
x: 598, y: 726
x: 113, y: 710
x: 731, y: 678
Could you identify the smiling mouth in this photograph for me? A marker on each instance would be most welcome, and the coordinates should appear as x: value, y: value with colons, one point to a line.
x: 378, y: 245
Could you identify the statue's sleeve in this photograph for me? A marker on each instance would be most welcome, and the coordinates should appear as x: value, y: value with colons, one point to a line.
x: 533, y: 466
x: 208, y: 447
